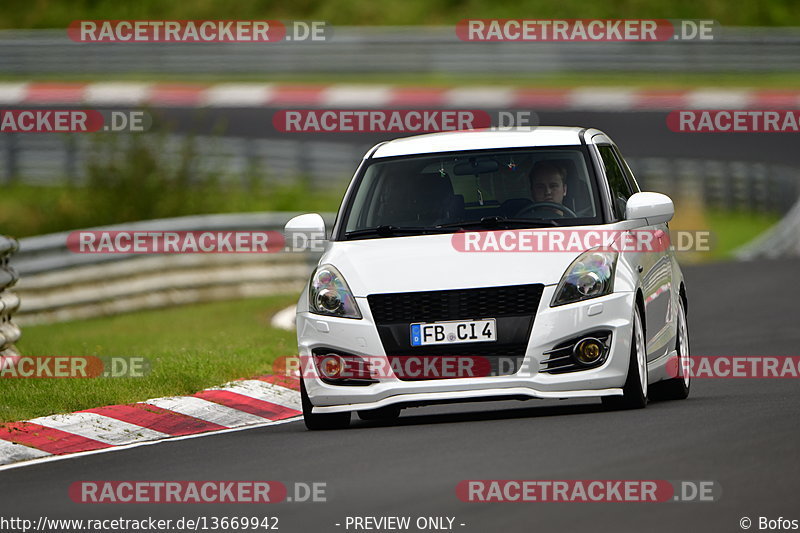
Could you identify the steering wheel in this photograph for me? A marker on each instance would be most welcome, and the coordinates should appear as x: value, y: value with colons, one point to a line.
x: 528, y: 210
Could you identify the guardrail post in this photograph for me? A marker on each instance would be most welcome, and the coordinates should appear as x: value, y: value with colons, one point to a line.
x: 11, y: 157
x: 70, y: 158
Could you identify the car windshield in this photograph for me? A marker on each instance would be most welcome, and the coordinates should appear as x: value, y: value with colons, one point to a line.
x: 438, y: 193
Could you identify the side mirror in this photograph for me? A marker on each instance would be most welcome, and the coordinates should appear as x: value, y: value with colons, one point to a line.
x: 305, y: 232
x: 655, y: 208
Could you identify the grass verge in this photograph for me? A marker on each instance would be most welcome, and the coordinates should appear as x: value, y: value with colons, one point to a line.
x: 188, y: 348
x: 732, y: 229
x: 721, y: 231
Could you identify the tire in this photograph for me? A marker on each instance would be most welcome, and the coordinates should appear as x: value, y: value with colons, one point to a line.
x: 321, y: 421
x: 634, y: 392
x: 677, y: 388
x: 383, y: 414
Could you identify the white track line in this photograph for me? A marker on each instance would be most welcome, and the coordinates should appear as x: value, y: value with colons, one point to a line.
x: 100, y: 428
x: 356, y: 96
x: 480, y: 97
x: 718, y: 99
x: 601, y: 98
x: 116, y: 93
x: 237, y: 95
x: 13, y: 93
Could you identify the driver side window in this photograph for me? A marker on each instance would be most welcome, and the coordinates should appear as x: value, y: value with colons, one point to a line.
x: 618, y: 185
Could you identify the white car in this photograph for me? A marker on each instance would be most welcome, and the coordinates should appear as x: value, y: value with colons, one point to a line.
x: 486, y: 265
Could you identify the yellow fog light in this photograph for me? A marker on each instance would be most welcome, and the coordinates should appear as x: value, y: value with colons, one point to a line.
x: 588, y: 351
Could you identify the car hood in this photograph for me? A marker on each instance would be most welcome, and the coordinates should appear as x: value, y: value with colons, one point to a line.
x: 431, y: 262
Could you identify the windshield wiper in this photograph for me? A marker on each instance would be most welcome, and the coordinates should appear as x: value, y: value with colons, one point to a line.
x: 390, y: 231
x: 495, y: 221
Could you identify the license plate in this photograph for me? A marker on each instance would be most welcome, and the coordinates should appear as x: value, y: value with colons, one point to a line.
x: 454, y: 332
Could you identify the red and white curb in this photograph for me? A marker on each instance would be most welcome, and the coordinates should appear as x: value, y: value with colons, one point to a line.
x: 383, y: 96
x: 260, y: 401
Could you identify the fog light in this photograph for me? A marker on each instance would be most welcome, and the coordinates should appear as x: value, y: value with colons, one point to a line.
x: 588, y: 351
x: 331, y: 366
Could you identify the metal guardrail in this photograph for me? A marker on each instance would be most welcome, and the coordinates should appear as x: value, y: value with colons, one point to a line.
x: 400, y: 49
x: 782, y: 240
x: 9, y: 302
x: 45, y: 159
x: 58, y: 285
x: 726, y: 185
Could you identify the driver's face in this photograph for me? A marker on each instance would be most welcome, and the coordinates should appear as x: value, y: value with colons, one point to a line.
x: 548, y: 187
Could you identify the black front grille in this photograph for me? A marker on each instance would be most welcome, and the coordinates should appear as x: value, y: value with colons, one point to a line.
x: 431, y: 306
x: 514, y: 307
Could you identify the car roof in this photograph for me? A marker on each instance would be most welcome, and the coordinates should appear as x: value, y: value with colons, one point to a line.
x: 457, y: 141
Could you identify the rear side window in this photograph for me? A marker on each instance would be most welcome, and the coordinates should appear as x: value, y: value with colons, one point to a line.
x: 620, y: 188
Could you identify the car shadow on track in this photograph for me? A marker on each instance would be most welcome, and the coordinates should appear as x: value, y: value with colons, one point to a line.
x: 409, y: 418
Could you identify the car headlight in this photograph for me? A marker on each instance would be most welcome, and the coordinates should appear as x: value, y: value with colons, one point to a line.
x: 589, y: 276
x: 328, y: 294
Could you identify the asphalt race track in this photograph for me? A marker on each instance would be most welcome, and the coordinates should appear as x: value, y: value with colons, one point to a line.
x: 741, y: 433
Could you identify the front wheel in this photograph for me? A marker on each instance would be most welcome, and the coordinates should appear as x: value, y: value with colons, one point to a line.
x: 634, y: 392
x: 677, y: 388
x: 321, y: 421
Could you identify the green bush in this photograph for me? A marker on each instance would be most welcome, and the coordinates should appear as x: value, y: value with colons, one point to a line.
x: 131, y: 178
x: 58, y: 13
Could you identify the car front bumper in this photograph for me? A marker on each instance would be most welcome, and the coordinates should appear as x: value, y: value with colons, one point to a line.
x: 552, y: 325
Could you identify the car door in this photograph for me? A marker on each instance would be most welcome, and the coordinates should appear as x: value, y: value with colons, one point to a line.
x: 665, y: 300
x: 654, y: 266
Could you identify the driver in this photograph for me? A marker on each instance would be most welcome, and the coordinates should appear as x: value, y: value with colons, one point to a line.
x: 548, y: 184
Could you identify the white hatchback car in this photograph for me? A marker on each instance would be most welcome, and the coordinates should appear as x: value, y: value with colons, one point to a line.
x: 485, y: 265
